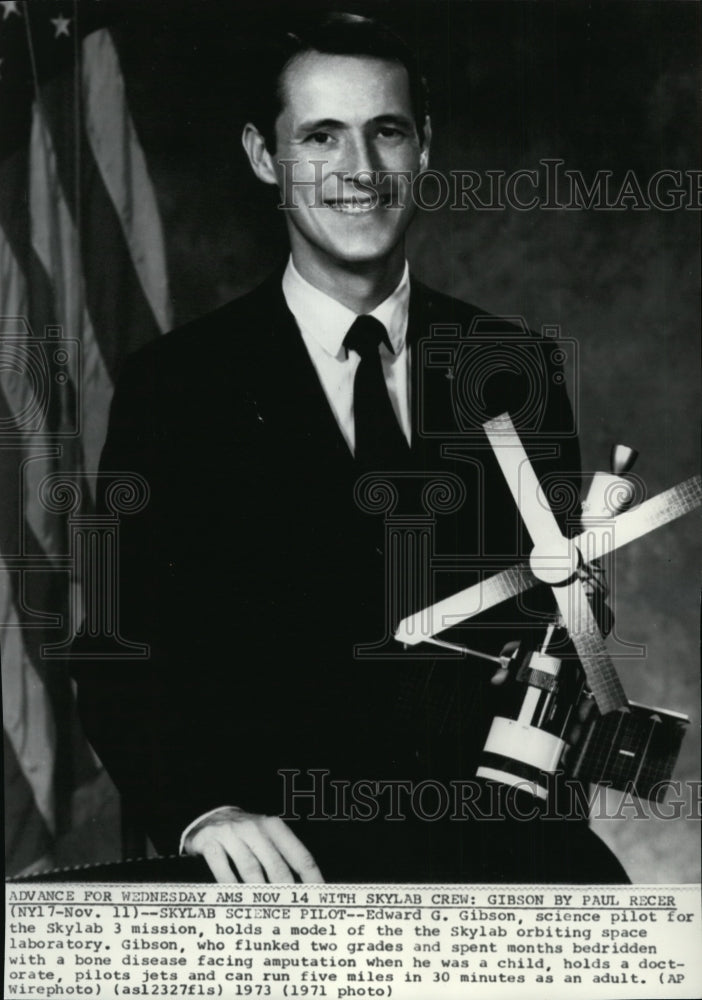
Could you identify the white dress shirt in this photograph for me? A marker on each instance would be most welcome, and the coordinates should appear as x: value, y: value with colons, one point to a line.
x: 323, y: 323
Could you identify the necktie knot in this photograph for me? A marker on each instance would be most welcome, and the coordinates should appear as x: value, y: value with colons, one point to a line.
x: 365, y: 336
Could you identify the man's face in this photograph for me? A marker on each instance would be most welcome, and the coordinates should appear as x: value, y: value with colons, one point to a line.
x: 354, y: 113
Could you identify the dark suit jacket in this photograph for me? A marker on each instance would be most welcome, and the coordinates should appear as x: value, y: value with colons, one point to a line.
x: 253, y: 573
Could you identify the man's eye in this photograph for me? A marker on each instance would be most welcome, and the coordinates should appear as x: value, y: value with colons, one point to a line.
x: 388, y: 132
x: 319, y: 138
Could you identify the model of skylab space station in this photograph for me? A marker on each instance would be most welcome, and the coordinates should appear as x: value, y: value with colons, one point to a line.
x: 623, y: 744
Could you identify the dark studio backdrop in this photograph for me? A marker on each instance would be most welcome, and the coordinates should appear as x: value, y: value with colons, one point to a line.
x: 601, y: 86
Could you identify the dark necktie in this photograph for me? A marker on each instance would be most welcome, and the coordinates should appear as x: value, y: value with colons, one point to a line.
x: 380, y: 443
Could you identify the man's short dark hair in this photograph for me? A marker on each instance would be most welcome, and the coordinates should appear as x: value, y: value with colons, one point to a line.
x: 340, y: 34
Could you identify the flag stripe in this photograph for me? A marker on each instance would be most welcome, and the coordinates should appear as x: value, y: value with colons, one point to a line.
x: 56, y: 243
x: 39, y: 307
x: 28, y: 708
x: 27, y: 712
x: 27, y: 837
x: 122, y: 166
x: 28, y: 374
x: 113, y: 292
x: 34, y: 693
x: 28, y: 529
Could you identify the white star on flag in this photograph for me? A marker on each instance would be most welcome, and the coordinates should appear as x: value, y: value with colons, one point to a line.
x: 60, y: 24
x: 9, y: 7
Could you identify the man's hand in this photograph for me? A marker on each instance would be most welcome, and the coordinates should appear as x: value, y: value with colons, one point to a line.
x: 245, y: 847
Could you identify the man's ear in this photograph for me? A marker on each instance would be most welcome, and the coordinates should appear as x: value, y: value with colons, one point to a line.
x: 259, y: 157
x: 424, y: 152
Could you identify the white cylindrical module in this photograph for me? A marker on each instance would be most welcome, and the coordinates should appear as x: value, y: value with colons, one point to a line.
x: 523, y: 750
x: 520, y: 755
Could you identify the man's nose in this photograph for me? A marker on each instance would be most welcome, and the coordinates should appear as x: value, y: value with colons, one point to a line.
x: 362, y: 160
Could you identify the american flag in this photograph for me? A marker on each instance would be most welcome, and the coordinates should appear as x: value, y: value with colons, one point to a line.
x: 83, y: 283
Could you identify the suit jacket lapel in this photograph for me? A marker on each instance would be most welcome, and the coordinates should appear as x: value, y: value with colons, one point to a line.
x: 295, y: 398
x: 432, y: 410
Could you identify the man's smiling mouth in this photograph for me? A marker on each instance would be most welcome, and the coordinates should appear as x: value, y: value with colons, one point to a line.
x: 357, y: 206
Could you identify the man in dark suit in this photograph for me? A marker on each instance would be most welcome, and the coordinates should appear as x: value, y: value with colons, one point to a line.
x: 254, y: 571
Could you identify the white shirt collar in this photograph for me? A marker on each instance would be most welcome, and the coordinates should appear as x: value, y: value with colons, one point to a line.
x: 328, y: 321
